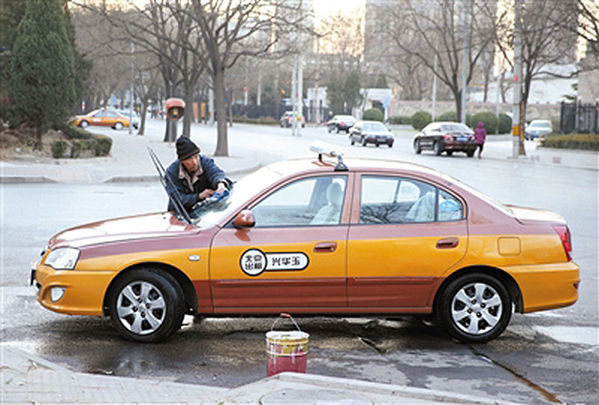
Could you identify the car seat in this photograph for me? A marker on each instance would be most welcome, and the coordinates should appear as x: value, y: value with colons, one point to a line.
x: 423, y: 209
x: 330, y: 212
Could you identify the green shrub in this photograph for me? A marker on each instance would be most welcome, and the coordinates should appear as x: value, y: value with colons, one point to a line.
x: 572, y: 141
x: 420, y: 119
x: 447, y: 116
x: 504, y: 124
x: 73, y: 132
x: 242, y: 119
x: 76, y: 148
x: 487, y: 118
x: 103, y: 145
x: 59, y: 148
x: 373, y: 114
x: 400, y: 120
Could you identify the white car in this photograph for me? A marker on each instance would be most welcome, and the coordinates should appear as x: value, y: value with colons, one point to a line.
x: 538, y: 129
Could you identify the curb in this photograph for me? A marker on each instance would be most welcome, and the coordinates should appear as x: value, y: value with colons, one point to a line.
x: 26, y: 179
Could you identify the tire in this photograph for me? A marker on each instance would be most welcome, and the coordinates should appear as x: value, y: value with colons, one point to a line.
x: 377, y: 144
x: 118, y: 126
x: 84, y: 124
x: 449, y: 152
x: 437, y: 148
x: 336, y: 130
x: 146, y: 305
x: 329, y: 130
x: 390, y: 145
x: 364, y: 143
x: 351, y: 140
x: 417, y: 147
x: 470, y: 153
x: 474, y: 308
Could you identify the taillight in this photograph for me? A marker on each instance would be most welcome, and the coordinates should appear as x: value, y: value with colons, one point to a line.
x: 447, y: 137
x: 342, y: 123
x: 564, y: 235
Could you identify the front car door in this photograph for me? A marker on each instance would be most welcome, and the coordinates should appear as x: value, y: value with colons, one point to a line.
x: 405, y: 234
x: 294, y: 258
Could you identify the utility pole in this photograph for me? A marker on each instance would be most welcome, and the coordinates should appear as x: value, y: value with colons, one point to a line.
x: 293, y: 96
x: 467, y: 13
x: 517, y: 83
x: 299, y: 95
x: 434, y: 95
x: 211, y: 106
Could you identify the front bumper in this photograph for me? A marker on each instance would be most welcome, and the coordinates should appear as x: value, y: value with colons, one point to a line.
x: 381, y: 140
x: 84, y: 290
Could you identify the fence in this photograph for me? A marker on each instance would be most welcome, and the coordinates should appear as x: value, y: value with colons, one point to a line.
x: 583, y: 118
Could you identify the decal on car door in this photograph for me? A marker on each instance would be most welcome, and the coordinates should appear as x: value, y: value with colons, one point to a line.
x: 254, y: 261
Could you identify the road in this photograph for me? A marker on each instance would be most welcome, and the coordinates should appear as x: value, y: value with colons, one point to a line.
x: 541, y: 358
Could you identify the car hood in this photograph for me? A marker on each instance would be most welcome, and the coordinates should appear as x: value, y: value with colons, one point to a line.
x: 119, y: 229
x: 525, y: 214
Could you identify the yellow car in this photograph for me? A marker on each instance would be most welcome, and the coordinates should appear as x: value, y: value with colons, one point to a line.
x: 313, y: 236
x: 101, y: 117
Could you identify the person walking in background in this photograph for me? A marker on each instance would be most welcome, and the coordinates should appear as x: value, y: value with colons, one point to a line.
x: 480, y: 134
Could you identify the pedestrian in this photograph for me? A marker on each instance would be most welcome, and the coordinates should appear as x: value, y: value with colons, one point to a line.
x: 480, y: 134
x: 194, y: 177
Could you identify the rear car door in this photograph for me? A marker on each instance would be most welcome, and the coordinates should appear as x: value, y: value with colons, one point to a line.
x: 294, y: 258
x: 405, y: 234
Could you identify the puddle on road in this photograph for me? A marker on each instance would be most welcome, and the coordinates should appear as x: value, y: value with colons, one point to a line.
x: 585, y: 335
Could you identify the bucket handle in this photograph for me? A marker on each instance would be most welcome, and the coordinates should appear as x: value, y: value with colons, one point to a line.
x: 287, y: 316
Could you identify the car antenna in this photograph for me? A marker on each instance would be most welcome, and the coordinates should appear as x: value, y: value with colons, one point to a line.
x: 167, y: 184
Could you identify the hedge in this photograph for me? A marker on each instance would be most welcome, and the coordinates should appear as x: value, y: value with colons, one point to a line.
x: 242, y: 119
x: 421, y: 119
x: 572, y: 141
x: 80, y: 141
x: 400, y: 120
x: 373, y: 114
x: 505, y: 124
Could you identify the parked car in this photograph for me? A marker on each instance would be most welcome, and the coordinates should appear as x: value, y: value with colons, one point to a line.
x: 341, y: 123
x: 365, y: 132
x: 311, y: 236
x: 286, y: 120
x: 127, y: 113
x: 445, y: 137
x: 101, y: 117
x: 538, y: 129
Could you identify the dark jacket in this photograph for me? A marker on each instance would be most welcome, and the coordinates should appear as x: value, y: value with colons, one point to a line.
x: 211, y: 176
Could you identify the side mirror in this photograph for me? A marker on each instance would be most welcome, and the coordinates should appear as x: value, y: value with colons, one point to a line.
x: 245, y: 219
x: 175, y: 108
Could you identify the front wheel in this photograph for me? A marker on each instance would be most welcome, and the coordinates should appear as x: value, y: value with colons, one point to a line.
x: 474, y: 308
x: 118, y: 126
x: 417, y: 147
x: 84, y: 124
x: 351, y: 141
x: 437, y: 148
x: 146, y: 305
x: 364, y: 142
x: 470, y: 153
x: 449, y: 152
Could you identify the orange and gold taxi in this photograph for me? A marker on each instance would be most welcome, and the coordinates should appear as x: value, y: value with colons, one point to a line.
x: 311, y: 236
x: 101, y: 117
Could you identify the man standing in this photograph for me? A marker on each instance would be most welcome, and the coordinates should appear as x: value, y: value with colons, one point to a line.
x: 193, y: 177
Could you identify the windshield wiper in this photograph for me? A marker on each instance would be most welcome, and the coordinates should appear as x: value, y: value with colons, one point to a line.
x: 167, y: 184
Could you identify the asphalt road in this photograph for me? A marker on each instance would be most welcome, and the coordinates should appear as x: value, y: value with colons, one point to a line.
x: 541, y: 358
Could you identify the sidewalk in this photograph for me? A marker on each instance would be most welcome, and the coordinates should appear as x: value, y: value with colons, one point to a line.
x: 29, y: 379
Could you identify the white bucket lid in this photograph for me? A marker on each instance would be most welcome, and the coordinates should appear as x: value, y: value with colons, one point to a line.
x: 287, y: 335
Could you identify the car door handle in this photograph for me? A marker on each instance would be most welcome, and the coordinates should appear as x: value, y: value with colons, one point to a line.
x: 447, y: 243
x: 325, y: 247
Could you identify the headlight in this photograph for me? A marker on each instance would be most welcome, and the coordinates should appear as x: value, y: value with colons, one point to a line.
x: 62, y: 258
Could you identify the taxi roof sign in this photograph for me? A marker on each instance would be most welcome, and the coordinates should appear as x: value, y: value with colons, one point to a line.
x: 325, y: 149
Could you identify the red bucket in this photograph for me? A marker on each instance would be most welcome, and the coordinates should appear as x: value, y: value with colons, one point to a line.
x: 286, y: 350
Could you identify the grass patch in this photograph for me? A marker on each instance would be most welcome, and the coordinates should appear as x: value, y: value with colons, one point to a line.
x: 572, y: 141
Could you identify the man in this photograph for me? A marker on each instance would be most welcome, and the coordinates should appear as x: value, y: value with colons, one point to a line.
x: 193, y: 177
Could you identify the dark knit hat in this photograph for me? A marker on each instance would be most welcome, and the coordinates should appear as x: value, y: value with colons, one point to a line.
x: 186, y: 148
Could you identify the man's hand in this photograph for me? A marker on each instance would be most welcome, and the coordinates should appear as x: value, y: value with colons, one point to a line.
x: 206, y: 193
x: 221, y: 188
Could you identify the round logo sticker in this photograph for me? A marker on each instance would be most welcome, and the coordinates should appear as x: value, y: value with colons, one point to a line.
x: 253, y: 262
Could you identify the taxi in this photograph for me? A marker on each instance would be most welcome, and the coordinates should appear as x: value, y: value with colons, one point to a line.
x: 315, y: 236
x: 101, y: 117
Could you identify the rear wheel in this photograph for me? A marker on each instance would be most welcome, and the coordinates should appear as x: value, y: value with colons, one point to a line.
x: 474, y: 308
x: 449, y: 152
x: 363, y: 141
x: 437, y: 148
x: 351, y: 140
x: 118, y: 126
x: 84, y: 124
x: 390, y: 144
x: 146, y: 305
x: 336, y: 130
x: 470, y: 153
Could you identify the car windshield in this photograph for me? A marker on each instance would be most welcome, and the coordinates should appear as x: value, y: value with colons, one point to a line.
x: 345, y: 118
x: 455, y: 128
x: 241, y: 192
x: 540, y: 124
x: 374, y: 126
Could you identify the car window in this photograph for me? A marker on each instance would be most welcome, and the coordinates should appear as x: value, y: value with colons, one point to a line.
x: 111, y: 114
x: 306, y: 202
x: 374, y: 127
x: 392, y: 200
x: 100, y: 114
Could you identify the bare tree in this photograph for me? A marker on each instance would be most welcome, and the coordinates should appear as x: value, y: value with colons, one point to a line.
x: 425, y: 30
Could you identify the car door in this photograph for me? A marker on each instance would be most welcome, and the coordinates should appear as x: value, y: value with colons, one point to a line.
x: 98, y: 118
x: 405, y: 234
x: 294, y: 258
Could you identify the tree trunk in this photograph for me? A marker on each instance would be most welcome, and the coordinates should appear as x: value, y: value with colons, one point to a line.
x: 142, y: 121
x: 222, y: 147
x: 39, y: 132
x: 188, y: 116
x: 458, y: 102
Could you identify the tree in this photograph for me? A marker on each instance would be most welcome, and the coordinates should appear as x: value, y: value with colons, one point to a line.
x: 42, y: 85
x: 435, y: 30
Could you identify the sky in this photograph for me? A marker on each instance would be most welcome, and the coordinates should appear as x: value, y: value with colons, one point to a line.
x: 322, y: 8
